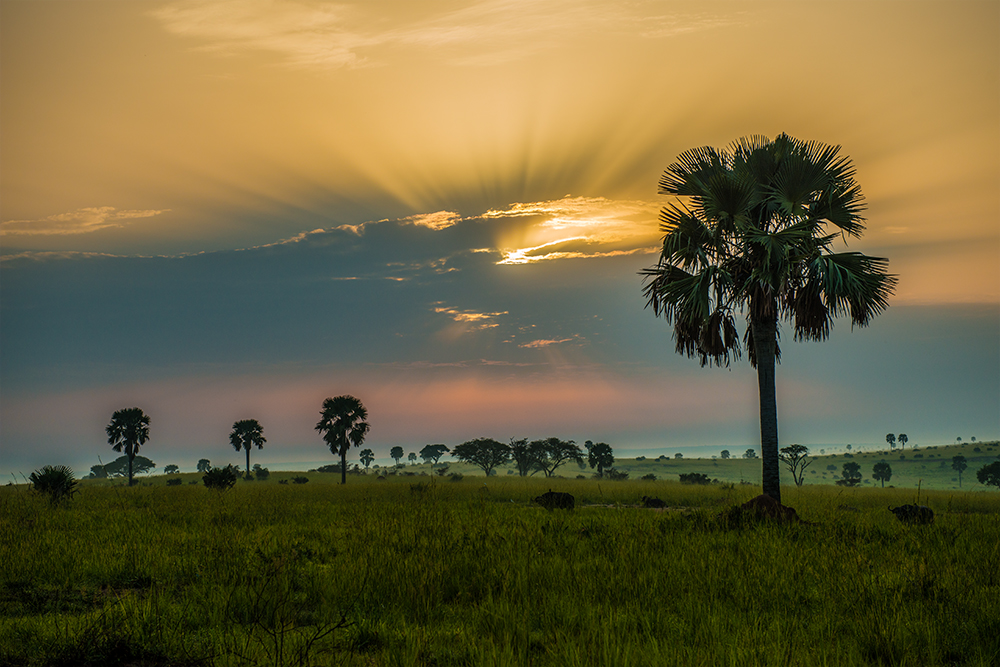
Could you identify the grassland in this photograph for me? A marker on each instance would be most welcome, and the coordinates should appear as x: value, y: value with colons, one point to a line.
x: 429, y: 571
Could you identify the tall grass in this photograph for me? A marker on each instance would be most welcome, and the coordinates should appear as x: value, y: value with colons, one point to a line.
x: 413, y: 571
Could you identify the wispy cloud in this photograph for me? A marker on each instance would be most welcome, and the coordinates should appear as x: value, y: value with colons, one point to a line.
x: 543, y: 342
x: 80, y: 221
x: 436, y: 221
x: 314, y: 34
x: 477, y: 320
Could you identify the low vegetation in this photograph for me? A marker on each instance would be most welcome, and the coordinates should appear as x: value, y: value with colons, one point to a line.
x: 436, y: 572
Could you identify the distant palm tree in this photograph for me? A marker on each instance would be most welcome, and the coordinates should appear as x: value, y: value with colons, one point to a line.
x: 128, y: 430
x: 902, y: 440
x: 367, y: 456
x: 396, y: 453
x: 246, y: 434
x: 343, y: 425
x: 757, y: 239
x: 891, y: 439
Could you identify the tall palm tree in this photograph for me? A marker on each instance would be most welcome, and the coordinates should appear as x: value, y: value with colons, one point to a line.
x: 755, y: 237
x: 128, y: 430
x: 246, y: 434
x: 343, y: 424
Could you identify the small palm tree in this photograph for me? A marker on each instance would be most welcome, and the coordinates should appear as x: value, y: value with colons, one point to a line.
x: 56, y: 481
x: 891, y: 439
x: 367, y: 457
x: 343, y: 425
x: 246, y: 434
x: 902, y: 440
x: 757, y: 239
x: 128, y: 430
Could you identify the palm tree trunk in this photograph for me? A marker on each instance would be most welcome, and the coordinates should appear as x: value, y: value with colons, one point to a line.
x: 764, y: 337
x: 248, y: 460
x: 131, y: 455
x: 343, y: 466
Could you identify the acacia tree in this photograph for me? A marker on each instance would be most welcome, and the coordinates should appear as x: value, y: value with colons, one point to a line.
x: 551, y: 453
x: 882, y: 471
x: 959, y: 464
x: 902, y: 440
x: 433, y: 453
x: 989, y: 474
x: 523, y: 457
x: 396, y: 453
x: 128, y: 430
x: 486, y: 453
x: 796, y: 458
x: 204, y: 465
x: 851, y: 474
x: 755, y: 237
x: 891, y: 439
x: 600, y: 456
x: 246, y: 434
x: 725, y: 454
x: 343, y: 424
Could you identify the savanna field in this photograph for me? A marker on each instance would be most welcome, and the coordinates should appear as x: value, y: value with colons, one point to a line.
x: 449, y: 571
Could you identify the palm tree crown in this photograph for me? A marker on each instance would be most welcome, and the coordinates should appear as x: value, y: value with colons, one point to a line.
x: 246, y: 434
x: 755, y: 237
x: 128, y: 430
x: 343, y: 425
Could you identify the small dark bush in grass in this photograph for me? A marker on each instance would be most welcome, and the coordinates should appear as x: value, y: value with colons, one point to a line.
x: 282, y: 481
x: 455, y: 477
x: 442, y: 471
x: 650, y: 477
x: 615, y: 475
x: 260, y: 472
x: 695, y: 478
x: 56, y: 481
x: 300, y: 480
x: 220, y: 479
x: 176, y: 481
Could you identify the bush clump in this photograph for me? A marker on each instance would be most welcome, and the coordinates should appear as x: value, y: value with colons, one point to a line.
x: 55, y: 481
x: 221, y: 479
x: 694, y: 478
x: 174, y: 481
x: 300, y: 480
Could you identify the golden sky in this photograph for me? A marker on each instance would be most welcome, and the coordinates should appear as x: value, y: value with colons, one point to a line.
x: 463, y: 154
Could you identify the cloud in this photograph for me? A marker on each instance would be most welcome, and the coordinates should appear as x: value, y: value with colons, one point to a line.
x: 334, y: 35
x: 548, y: 342
x: 80, y: 221
x: 436, y: 221
x: 477, y: 320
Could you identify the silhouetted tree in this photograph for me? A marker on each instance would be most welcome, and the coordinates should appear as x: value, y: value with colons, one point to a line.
x: 750, y: 454
x: 959, y: 463
x: 119, y: 467
x: 523, y: 457
x: 600, y: 456
x: 343, y: 424
x: 98, y: 472
x: 412, y: 458
x: 882, y: 471
x: 128, y: 430
x: 433, y: 453
x: 725, y: 454
x: 757, y: 239
x: 989, y: 474
x: 551, y: 453
x: 902, y: 440
x: 851, y: 474
x: 170, y: 469
x: 367, y: 456
x: 396, y: 453
x: 891, y: 439
x: 204, y: 465
x: 246, y: 434
x: 486, y: 453
x: 796, y: 458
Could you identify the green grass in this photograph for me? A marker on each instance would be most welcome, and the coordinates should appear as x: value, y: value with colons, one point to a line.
x: 471, y: 573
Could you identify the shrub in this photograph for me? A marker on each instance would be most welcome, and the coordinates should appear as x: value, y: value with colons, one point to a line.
x: 651, y: 477
x: 640, y: 458
x: 694, y: 478
x: 175, y: 481
x: 442, y: 471
x: 333, y: 467
x: 300, y: 480
x: 56, y: 481
x: 220, y: 479
x: 615, y: 475
x: 260, y: 472
x: 455, y: 477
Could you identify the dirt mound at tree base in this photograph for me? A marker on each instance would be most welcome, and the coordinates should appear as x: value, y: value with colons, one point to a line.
x: 760, y: 509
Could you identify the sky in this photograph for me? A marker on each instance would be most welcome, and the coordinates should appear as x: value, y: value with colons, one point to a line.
x: 220, y: 210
